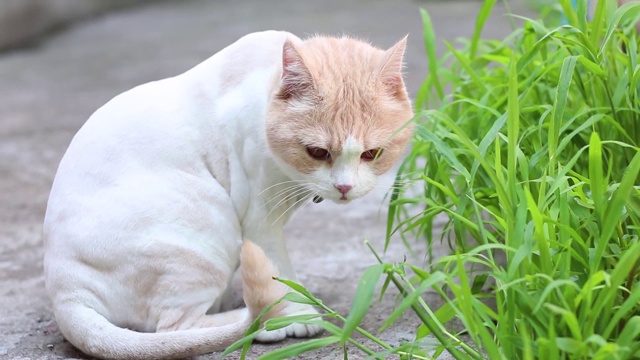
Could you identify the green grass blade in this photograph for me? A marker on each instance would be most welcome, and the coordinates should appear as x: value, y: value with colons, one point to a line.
x: 596, y: 178
x: 430, y: 47
x: 362, y: 300
x: 569, y: 12
x: 559, y: 105
x: 618, y: 276
x: 513, y: 129
x: 278, y: 323
x: 411, y: 298
x: 624, y: 310
x: 631, y: 333
x: 615, y: 207
x: 302, y: 290
x: 598, y: 21
x: 628, y: 10
x: 296, y: 349
x: 481, y: 19
x: 443, y: 148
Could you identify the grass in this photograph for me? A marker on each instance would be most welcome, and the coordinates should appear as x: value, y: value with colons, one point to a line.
x: 533, y: 158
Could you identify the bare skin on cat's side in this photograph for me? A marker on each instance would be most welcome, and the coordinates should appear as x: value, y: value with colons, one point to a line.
x: 152, y: 201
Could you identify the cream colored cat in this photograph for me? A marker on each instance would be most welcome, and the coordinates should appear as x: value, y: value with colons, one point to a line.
x: 157, y: 191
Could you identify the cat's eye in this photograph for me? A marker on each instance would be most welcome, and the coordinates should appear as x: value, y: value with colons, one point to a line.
x: 370, y: 155
x: 318, y: 153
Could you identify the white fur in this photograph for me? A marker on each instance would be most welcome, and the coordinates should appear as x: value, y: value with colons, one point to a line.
x: 347, y: 169
x: 151, y: 204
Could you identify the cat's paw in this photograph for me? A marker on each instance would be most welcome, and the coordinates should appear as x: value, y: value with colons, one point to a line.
x: 294, y: 330
x: 302, y: 330
x: 271, y: 336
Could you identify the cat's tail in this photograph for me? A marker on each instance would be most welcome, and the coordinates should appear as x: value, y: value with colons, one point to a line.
x: 92, y: 333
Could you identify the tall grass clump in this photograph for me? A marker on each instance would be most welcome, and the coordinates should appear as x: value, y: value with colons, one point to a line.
x: 533, y: 157
x: 529, y: 149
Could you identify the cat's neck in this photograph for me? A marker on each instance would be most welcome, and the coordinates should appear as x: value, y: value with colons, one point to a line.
x: 255, y: 180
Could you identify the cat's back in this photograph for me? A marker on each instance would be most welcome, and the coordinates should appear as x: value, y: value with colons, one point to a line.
x: 240, y: 76
x: 183, y: 110
x: 175, y: 122
x: 255, y: 55
x: 162, y: 137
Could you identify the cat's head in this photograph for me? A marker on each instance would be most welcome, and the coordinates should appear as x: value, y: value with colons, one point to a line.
x: 338, y: 117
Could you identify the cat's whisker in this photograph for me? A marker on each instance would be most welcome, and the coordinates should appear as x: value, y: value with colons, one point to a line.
x: 280, y: 183
x: 307, y: 201
x: 287, y: 197
x: 284, y: 192
x: 292, y: 206
x: 299, y: 190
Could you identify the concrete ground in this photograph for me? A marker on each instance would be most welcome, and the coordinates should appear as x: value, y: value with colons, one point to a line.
x: 48, y: 90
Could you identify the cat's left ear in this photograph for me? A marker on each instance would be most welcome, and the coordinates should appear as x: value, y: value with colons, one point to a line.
x: 297, y: 81
x: 391, y: 68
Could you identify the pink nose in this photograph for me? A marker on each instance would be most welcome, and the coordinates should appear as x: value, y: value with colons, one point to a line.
x: 344, y: 189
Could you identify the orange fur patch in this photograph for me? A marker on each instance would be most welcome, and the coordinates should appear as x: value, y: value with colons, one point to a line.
x: 259, y: 288
x: 350, y: 88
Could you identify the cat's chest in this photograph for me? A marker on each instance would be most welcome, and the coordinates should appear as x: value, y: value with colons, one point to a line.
x: 266, y: 198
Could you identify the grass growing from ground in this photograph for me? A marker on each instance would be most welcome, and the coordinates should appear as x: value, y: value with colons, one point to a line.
x: 533, y: 158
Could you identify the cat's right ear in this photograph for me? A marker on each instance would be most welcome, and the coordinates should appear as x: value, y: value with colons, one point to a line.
x: 296, y: 81
x: 391, y: 69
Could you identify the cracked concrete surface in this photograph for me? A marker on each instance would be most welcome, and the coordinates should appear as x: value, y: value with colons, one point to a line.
x: 48, y: 90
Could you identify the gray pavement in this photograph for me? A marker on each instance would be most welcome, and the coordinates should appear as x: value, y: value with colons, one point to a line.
x: 48, y: 90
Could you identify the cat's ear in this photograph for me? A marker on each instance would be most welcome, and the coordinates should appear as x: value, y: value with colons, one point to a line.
x: 391, y: 68
x: 296, y: 79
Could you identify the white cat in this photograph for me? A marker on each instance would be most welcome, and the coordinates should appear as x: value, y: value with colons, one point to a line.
x: 157, y: 191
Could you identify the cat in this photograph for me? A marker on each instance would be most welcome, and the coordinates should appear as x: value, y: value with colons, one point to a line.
x: 151, y: 203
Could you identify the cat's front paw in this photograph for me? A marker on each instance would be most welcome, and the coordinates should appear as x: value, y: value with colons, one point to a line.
x: 294, y: 330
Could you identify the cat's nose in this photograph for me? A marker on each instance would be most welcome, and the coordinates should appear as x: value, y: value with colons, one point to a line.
x: 344, y: 189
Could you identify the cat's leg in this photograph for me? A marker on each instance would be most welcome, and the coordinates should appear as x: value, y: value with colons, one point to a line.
x: 226, y: 301
x: 191, y: 286
x: 189, y: 310
x: 272, y: 242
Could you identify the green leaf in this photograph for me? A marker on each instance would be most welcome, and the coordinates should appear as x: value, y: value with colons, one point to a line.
x: 483, y: 16
x: 596, y: 177
x: 443, y: 148
x: 278, y: 323
x: 624, y: 310
x: 296, y: 349
x: 478, y: 283
x: 628, y: 10
x: 631, y: 332
x: 299, y: 298
x: 614, y: 208
x: 411, y: 298
x: 362, y: 300
x: 430, y: 46
x: 301, y: 289
x: 559, y: 105
x: 245, y: 341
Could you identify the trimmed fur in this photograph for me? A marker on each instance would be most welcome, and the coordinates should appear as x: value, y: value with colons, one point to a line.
x: 148, y: 211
